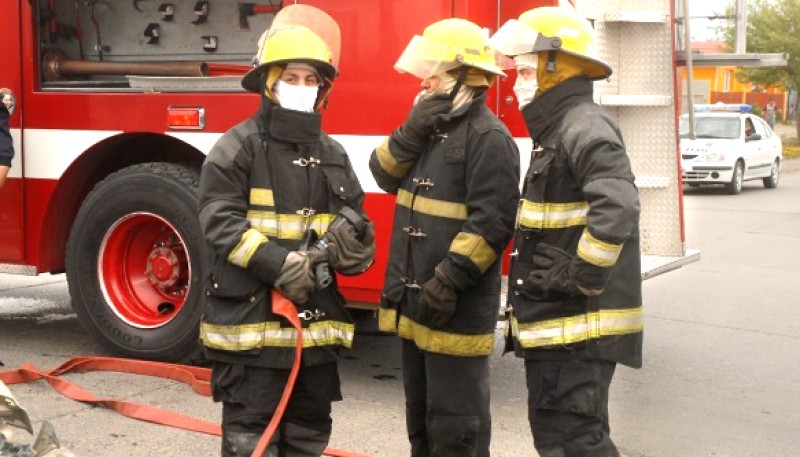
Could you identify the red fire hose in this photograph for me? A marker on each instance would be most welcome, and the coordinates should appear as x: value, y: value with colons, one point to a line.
x: 196, y: 377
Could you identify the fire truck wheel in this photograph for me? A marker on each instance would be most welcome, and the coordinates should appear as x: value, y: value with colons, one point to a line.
x: 135, y: 262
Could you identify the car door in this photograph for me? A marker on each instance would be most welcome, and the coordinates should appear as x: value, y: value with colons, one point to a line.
x: 772, y: 145
x: 750, y: 148
x: 763, y: 148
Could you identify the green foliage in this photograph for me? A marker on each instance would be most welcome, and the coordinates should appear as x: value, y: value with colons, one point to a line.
x: 772, y: 27
x: 791, y: 148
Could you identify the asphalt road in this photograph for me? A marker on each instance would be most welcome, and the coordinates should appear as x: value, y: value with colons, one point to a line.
x: 721, y: 375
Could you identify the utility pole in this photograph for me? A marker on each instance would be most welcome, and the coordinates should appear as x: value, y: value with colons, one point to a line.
x: 740, y: 40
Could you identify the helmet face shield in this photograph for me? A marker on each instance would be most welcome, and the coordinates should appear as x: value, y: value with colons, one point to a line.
x: 424, y: 58
x: 514, y: 38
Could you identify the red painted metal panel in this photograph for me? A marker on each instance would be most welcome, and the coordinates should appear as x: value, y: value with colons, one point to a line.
x: 367, y: 287
x: 11, y: 194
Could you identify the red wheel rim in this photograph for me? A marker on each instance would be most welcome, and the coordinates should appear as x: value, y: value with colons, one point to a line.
x: 144, y: 270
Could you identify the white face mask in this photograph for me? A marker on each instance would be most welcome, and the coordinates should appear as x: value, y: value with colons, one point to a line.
x: 298, y: 98
x: 525, y: 92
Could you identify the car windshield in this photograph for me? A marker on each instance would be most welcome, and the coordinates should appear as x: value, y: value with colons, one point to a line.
x: 711, y: 127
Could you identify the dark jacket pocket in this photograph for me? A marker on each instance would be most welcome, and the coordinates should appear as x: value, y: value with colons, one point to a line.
x: 233, y: 283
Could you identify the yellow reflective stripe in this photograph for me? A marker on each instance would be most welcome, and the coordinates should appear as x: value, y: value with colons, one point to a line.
x: 444, y: 342
x: 261, y: 197
x: 388, y: 163
x: 387, y: 320
x: 551, y: 215
x: 598, y: 252
x: 432, y: 206
x: 288, y: 226
x: 270, y: 334
x: 244, y: 250
x: 582, y: 327
x: 435, y: 340
x: 475, y: 248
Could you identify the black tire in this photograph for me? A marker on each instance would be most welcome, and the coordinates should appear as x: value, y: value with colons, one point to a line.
x: 774, y: 178
x: 735, y: 186
x: 162, y: 199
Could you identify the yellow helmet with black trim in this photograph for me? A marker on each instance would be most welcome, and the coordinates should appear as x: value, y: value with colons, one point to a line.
x: 446, y: 45
x: 552, y: 28
x: 291, y: 43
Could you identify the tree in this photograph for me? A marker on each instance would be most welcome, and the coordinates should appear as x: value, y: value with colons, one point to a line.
x: 772, y: 27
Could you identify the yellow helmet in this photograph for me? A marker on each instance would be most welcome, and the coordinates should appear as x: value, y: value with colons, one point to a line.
x: 299, y: 33
x: 446, y: 45
x: 552, y: 28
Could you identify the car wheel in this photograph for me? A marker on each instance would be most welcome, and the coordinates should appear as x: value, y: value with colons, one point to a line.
x: 774, y: 175
x: 735, y: 186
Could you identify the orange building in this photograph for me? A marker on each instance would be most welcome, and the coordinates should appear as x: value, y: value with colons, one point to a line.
x: 712, y: 84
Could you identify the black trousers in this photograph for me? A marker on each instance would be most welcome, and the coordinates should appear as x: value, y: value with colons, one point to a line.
x: 568, y: 407
x: 250, y: 396
x: 447, y: 403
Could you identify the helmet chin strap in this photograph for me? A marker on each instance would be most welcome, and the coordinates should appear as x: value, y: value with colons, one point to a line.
x: 551, y: 62
x: 462, y: 76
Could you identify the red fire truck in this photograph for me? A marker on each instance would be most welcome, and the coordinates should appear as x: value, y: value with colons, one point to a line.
x: 118, y: 101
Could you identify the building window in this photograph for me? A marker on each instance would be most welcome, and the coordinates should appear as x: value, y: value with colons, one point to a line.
x: 726, y: 84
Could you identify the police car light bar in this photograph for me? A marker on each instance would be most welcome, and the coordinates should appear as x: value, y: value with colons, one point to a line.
x: 723, y: 107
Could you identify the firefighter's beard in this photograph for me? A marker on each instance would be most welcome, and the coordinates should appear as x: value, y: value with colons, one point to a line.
x: 297, y: 98
x: 446, y: 84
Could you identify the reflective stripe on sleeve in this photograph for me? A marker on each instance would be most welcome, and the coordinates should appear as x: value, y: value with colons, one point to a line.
x: 246, y: 337
x: 598, y: 252
x: 388, y: 163
x: 261, y: 197
x: 575, y: 329
x: 288, y: 226
x: 432, y: 207
x: 475, y: 248
x: 247, y: 246
x: 551, y: 215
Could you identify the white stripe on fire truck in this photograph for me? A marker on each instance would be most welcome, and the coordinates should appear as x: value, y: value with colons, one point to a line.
x: 49, y: 152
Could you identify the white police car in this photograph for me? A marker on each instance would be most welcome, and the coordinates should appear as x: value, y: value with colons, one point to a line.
x: 731, y: 145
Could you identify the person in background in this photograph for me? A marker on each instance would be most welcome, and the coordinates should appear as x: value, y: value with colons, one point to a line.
x: 770, y: 114
x: 575, y: 286
x: 6, y: 142
x: 266, y: 182
x: 454, y: 168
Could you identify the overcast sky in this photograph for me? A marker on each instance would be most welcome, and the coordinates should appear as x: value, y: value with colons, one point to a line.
x: 703, y: 29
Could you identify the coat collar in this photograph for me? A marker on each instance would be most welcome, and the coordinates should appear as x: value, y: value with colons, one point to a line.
x: 546, y: 110
x: 289, y: 125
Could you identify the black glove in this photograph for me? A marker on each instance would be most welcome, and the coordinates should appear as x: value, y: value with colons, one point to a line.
x: 551, y: 270
x: 424, y: 115
x: 295, y: 278
x: 438, y: 300
x: 348, y: 255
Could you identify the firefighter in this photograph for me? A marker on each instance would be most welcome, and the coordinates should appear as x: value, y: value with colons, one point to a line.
x: 455, y: 171
x: 6, y: 142
x: 575, y: 280
x: 265, y: 182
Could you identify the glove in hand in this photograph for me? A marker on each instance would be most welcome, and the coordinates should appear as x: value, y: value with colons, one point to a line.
x: 551, y: 270
x: 424, y: 115
x: 348, y: 255
x: 438, y: 300
x: 295, y: 278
